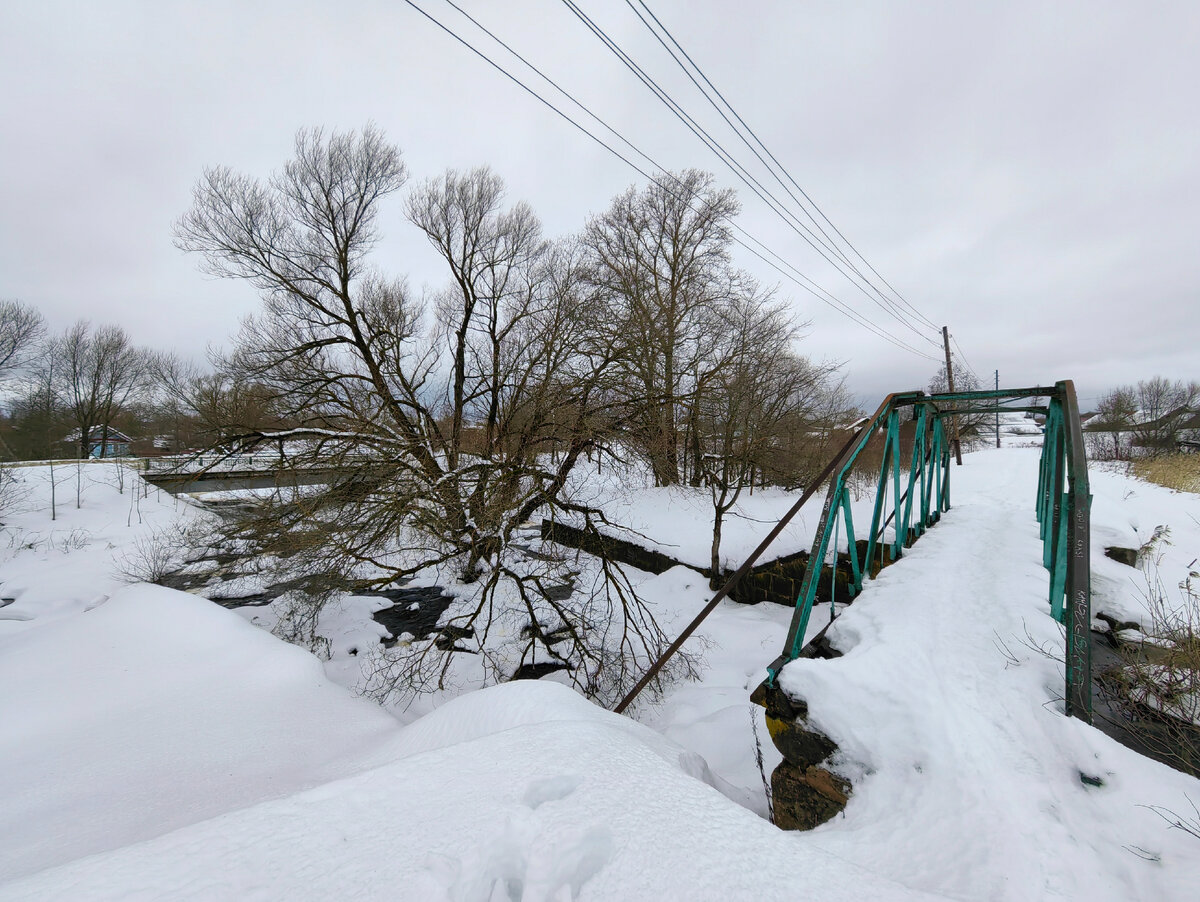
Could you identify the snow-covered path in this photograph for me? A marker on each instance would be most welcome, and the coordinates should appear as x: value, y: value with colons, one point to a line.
x: 969, y: 774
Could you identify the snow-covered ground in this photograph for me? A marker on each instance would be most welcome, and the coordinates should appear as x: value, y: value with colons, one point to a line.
x: 678, y: 520
x: 153, y: 745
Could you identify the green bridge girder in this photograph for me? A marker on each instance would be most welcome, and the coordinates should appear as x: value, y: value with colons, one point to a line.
x: 914, y: 493
x: 1062, y: 509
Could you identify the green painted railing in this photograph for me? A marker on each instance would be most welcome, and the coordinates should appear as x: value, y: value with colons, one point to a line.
x: 913, y: 491
x: 912, y: 494
x: 1064, y: 513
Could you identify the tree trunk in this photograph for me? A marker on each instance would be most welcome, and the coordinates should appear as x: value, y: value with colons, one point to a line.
x: 714, y: 581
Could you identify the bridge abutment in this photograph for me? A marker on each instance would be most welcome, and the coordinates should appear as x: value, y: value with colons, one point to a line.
x: 805, y: 792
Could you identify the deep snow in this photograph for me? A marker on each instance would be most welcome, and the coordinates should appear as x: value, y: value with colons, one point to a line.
x: 185, y: 754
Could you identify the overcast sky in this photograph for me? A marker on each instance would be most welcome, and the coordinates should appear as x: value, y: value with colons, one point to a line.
x: 1025, y: 173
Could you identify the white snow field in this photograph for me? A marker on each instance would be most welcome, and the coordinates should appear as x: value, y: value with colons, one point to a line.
x: 156, y: 746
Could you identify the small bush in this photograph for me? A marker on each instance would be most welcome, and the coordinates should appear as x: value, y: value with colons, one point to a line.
x: 162, y: 553
x: 1158, y: 686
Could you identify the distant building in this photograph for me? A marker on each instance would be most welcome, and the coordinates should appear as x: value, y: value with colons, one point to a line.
x: 115, y: 444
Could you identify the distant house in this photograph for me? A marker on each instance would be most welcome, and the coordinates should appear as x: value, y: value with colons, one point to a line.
x: 115, y: 444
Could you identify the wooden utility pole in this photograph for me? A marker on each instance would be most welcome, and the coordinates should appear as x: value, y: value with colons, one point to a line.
x: 950, y: 383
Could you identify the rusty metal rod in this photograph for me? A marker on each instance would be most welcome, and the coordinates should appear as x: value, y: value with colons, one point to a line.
x: 741, y: 571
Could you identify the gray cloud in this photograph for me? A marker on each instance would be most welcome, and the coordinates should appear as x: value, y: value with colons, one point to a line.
x: 1024, y: 172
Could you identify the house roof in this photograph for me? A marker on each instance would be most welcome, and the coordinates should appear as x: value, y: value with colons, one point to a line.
x: 96, y: 432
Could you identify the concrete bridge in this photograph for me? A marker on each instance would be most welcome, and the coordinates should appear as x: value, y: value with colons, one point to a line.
x: 233, y: 473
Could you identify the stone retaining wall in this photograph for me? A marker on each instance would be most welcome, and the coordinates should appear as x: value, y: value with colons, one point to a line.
x: 611, y: 548
x: 805, y: 791
x: 776, y: 581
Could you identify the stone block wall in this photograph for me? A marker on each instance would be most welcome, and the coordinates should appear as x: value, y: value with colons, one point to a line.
x: 776, y: 581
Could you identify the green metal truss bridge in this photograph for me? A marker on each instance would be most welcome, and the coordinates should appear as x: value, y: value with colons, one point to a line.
x: 912, y: 493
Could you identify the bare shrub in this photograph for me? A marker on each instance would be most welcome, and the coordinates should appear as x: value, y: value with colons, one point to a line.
x: 1158, y: 685
x: 162, y: 553
x: 14, y: 491
x: 74, y: 540
x: 299, y: 620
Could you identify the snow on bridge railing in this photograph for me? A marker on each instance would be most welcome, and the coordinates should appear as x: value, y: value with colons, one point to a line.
x: 213, y: 461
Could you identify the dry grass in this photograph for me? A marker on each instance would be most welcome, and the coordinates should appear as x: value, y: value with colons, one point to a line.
x: 1180, y: 472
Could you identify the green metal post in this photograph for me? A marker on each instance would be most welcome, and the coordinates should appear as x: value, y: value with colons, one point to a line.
x: 851, y: 547
x: 935, y: 507
x: 812, y: 573
x: 894, y: 436
x: 880, y: 503
x: 916, y: 472
x: 927, y: 462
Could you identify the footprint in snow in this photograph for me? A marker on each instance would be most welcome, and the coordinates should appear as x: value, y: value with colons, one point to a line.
x: 536, y: 857
x: 552, y: 789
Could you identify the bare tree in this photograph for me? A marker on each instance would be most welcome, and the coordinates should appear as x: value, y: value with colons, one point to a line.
x: 764, y: 399
x: 21, y: 328
x: 739, y: 408
x: 1109, y: 431
x: 1162, y: 406
x: 971, y: 425
x: 661, y: 253
x: 210, y: 409
x: 438, y: 417
x: 41, y: 415
x: 98, y: 373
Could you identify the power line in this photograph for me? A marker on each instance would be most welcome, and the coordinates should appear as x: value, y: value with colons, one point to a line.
x: 799, y: 278
x: 765, y: 149
x: 963, y: 358
x: 745, y: 176
x: 828, y: 240
x: 740, y: 171
x: 806, y: 283
x: 825, y: 240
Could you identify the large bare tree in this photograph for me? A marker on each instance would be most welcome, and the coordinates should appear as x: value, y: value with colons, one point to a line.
x: 661, y: 253
x: 98, y: 372
x: 451, y: 420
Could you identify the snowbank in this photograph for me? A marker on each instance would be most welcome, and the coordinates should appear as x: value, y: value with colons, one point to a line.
x: 59, y: 567
x: 157, y: 746
x: 523, y: 791
x: 1127, y: 512
x: 678, y: 520
x: 155, y: 710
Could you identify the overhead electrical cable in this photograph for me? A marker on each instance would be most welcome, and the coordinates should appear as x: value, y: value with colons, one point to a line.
x: 750, y: 131
x: 825, y: 239
x: 963, y: 357
x: 804, y: 281
x: 746, y: 177
x: 798, y: 277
